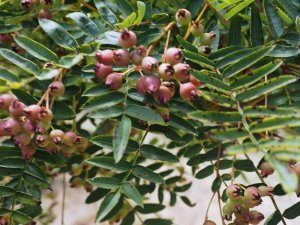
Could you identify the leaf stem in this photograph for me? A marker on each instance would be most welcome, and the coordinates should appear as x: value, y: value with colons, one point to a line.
x: 63, y: 200
x: 88, y: 6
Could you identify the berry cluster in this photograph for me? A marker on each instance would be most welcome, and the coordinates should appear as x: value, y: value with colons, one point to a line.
x: 241, y: 201
x: 29, y: 126
x: 43, y: 13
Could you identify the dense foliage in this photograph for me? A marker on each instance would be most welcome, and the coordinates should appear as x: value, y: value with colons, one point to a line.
x: 117, y: 92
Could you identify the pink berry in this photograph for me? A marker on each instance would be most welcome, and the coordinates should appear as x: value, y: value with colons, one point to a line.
x: 27, y: 4
x: 169, y: 85
x: 182, y: 71
x: 183, y: 17
x: 102, y: 70
x: 151, y: 84
x: 11, y: 126
x: 45, y: 14
x: 46, y: 2
x: 197, y: 28
x: 16, y: 108
x: 69, y: 138
x: 42, y: 140
x: 57, y: 136
x: 188, y: 91
x: 121, y: 57
x: 127, y: 39
x: 28, y: 151
x: 140, y: 85
x: 22, y: 139
x: 195, y: 82
x: 173, y: 56
x: 266, y: 169
x: 31, y: 112
x: 138, y: 55
x: 41, y: 127
x: 233, y: 191
x: 105, y: 57
x: 28, y: 126
x: 265, y: 191
x: 149, y: 65
x: 163, y: 95
x: 208, y: 38
x: 56, y: 88
x: 5, y: 101
x: 45, y: 114
x: 256, y: 217
x: 114, y: 81
x: 166, y: 71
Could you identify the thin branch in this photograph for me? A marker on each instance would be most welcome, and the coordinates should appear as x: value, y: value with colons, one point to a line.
x: 63, y: 200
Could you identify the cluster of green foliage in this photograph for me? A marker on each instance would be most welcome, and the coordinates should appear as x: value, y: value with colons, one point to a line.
x: 249, y: 102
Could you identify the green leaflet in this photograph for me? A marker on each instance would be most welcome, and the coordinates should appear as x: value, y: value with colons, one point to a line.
x: 239, y: 7
x: 274, y: 123
x: 147, y: 174
x: 262, y: 111
x: 274, y: 21
x: 218, y: 117
x: 143, y: 113
x: 155, y: 153
x: 19, y: 61
x: 105, y: 182
x: 256, y: 31
x: 108, y: 203
x: 107, y: 143
x: 85, y: 23
x: 105, y: 12
x: 36, y: 49
x: 247, y: 61
x: 58, y: 34
x: 265, y: 88
x: 109, y: 163
x: 198, y: 59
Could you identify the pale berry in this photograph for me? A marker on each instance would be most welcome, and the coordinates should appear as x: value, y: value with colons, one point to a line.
x: 266, y: 169
x: 151, y: 84
x: 265, y: 191
x: 235, y: 205
x: 173, y: 55
x: 195, y: 81
x: 41, y: 127
x: 209, y: 222
x: 163, y: 95
x: 69, y: 138
x: 27, y: 4
x: 149, y: 65
x: 138, y: 55
x: 256, y: 217
x: 81, y: 143
x: 105, y: 57
x: 166, y: 71
x: 28, y: 126
x: 114, y: 81
x: 102, y: 70
x: 164, y: 113
x: 205, y: 50
x: 52, y: 148
x: 45, y: 114
x: 56, y: 136
x: 11, y: 126
x: 56, y: 88
x: 42, y: 140
x: 5, y: 101
x: 207, y: 38
x: 182, y: 71
x: 227, y: 212
x: 169, y: 85
x: 16, y: 108
x: 31, y: 112
x: 121, y: 57
x: 76, y: 182
x: 45, y: 14
x: 22, y: 139
x: 233, y: 191
x: 252, y: 197
x: 197, y: 28
x: 188, y: 91
x: 76, y: 169
x: 28, y: 151
x: 88, y: 187
x: 127, y: 39
x: 183, y: 17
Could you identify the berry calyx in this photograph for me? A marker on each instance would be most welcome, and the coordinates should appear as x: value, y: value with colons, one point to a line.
x: 207, y: 38
x: 166, y: 71
x: 114, y: 81
x: 149, y: 64
x: 32, y: 112
x: 121, y: 57
x: 182, y: 71
x: 227, y: 212
x: 42, y: 140
x: 27, y: 4
x: 252, y: 197
x: 45, y: 114
x: 233, y: 191
x: 57, y: 136
x: 45, y: 14
x: 151, y: 84
x: 56, y: 88
x: 5, y: 101
x: 127, y: 38
x: 183, y: 17
x: 255, y: 217
x: 163, y: 95
x: 105, y: 57
x: 206, y: 50
x: 188, y: 91
x: 173, y: 55
x: 138, y: 55
x: 197, y: 28
x: 266, y: 169
x: 102, y: 70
